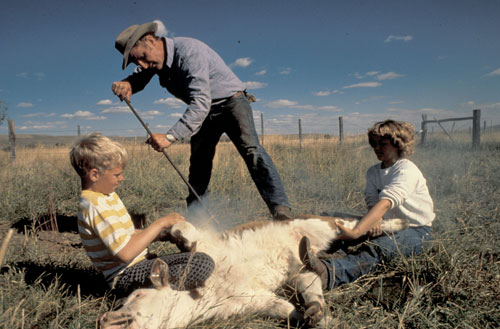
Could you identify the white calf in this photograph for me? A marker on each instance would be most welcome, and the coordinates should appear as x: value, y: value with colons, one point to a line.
x: 252, y: 262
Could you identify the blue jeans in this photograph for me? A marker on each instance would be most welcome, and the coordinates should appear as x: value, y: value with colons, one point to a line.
x: 372, y: 252
x: 235, y: 118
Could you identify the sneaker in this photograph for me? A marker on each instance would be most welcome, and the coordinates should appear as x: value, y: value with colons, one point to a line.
x: 282, y: 213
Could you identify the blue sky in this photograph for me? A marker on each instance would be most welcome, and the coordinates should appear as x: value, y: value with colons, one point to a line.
x: 314, y: 60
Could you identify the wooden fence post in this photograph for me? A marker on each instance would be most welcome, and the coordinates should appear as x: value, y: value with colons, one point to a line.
x: 12, y: 141
x: 476, y: 127
x: 424, y: 129
x: 262, y: 128
x: 300, y: 134
x: 341, y: 129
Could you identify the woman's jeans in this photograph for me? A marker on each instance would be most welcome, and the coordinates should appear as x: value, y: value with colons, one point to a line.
x: 235, y: 118
x: 353, y: 265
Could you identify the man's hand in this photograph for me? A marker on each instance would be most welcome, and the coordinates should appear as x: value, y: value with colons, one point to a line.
x: 158, y: 142
x: 122, y: 89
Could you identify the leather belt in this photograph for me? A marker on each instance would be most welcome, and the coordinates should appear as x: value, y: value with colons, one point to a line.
x: 223, y: 100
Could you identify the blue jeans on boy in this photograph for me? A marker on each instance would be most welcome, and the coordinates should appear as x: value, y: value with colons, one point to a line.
x: 235, y: 118
x: 353, y: 265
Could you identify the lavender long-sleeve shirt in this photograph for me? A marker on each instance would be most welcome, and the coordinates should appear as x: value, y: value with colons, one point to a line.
x: 194, y: 73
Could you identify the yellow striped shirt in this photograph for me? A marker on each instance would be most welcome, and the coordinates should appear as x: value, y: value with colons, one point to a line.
x: 105, y: 227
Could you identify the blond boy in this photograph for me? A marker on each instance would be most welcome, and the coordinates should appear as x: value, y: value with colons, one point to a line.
x: 116, y: 248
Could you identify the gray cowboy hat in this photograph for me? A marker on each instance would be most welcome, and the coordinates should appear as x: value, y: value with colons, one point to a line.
x: 127, y: 39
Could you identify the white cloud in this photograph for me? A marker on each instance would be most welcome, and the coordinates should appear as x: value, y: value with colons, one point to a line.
x: 242, y: 62
x: 371, y: 73
x: 175, y: 115
x: 389, y: 76
x: 24, y: 104
x: 39, y: 75
x: 364, y: 85
x: 404, y: 38
x: 96, y: 118
x: 105, y: 102
x: 254, y: 85
x: 329, y: 108
x: 86, y: 115
x: 337, y: 91
x: 285, y: 103
x: 170, y: 102
x: 281, y: 103
x: 152, y: 113
x: 261, y: 72
x: 494, y: 73
x: 33, y: 125
x: 116, y: 109
x: 304, y: 107
x: 26, y: 75
x: 77, y: 114
x: 39, y: 114
x: 162, y: 127
x: 322, y: 93
x: 286, y: 70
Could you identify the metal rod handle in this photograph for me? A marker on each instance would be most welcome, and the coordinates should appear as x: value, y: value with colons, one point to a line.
x: 168, y: 158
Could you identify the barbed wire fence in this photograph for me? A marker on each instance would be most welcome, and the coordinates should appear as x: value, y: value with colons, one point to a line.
x: 337, y: 130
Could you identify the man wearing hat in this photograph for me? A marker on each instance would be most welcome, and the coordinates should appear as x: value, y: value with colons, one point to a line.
x: 216, y: 101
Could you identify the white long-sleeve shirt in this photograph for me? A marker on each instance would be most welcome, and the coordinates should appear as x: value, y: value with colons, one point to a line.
x: 405, y: 187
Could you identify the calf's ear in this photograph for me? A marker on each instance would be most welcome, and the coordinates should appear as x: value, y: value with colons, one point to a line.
x: 159, y: 274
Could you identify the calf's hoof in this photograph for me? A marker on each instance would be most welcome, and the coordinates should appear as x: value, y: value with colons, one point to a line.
x: 313, y: 314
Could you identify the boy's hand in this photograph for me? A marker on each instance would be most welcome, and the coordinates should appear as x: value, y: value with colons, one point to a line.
x: 158, y: 142
x: 171, y: 219
x: 167, y: 222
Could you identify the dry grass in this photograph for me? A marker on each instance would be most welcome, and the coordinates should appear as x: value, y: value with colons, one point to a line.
x: 48, y: 282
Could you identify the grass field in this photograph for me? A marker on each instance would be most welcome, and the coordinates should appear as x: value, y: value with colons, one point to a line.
x: 46, y: 280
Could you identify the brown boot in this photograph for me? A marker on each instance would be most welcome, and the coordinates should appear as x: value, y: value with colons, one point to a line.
x: 313, y: 263
x: 282, y: 212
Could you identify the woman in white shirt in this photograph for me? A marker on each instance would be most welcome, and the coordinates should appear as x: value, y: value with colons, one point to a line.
x: 395, y: 188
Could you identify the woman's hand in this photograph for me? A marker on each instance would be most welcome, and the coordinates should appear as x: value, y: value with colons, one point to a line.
x: 347, y: 233
x: 376, y: 230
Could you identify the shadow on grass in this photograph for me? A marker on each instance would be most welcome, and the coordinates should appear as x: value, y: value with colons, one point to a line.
x: 62, y: 223
x: 91, y: 282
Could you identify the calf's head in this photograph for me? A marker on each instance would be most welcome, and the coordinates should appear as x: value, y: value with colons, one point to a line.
x: 158, y: 307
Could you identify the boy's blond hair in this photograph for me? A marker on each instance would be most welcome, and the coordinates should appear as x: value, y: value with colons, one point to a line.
x: 400, y: 133
x: 96, y: 151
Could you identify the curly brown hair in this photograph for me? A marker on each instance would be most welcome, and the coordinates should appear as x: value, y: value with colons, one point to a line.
x: 400, y: 133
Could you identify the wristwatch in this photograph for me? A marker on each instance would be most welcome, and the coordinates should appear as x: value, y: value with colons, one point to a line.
x: 170, y: 138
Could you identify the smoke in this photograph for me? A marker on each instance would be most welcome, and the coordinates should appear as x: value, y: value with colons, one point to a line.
x: 207, y: 215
